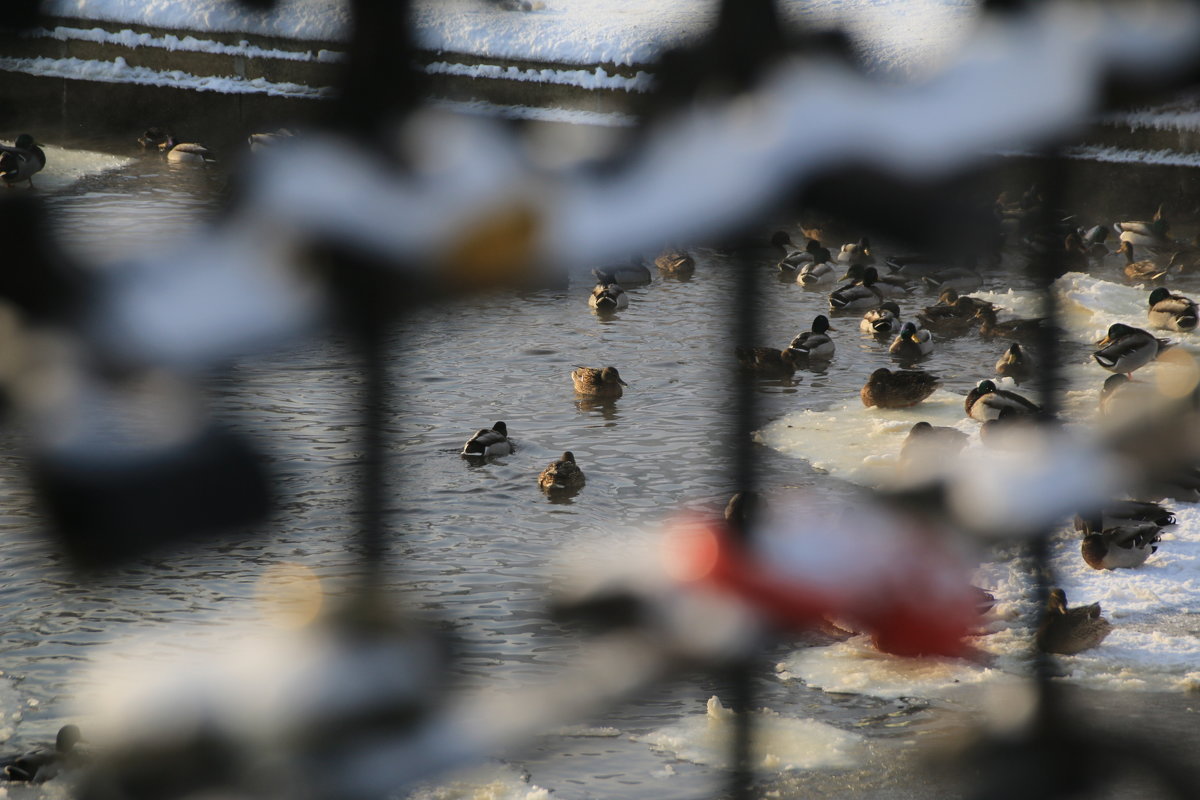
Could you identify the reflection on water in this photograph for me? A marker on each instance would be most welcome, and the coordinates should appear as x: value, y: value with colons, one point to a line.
x: 472, y: 544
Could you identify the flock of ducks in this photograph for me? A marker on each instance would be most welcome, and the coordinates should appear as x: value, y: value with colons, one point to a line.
x: 858, y: 281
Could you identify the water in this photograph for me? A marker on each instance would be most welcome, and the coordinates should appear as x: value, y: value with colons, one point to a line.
x: 475, y: 548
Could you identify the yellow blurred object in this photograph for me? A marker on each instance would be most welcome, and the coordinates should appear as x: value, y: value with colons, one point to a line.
x: 495, y: 250
x: 1181, y: 375
x: 290, y: 595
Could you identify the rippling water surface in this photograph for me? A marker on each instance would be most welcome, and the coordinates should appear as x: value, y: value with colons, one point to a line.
x: 474, y: 546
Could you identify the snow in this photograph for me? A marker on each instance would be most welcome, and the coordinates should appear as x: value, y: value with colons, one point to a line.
x: 903, y: 34
x: 119, y: 71
x: 128, y: 38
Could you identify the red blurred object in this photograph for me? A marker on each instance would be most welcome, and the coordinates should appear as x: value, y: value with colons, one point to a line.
x: 917, y: 604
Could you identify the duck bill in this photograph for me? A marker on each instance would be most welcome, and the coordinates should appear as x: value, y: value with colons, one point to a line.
x: 623, y: 383
x: 1105, y: 342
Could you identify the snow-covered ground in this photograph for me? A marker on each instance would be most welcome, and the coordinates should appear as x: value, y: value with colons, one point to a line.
x: 892, y: 34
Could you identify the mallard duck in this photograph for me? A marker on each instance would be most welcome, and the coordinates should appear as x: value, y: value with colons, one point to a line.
x: 857, y: 295
x: 742, y: 509
x: 912, y: 343
x: 1126, y: 348
x: 952, y: 315
x: 676, y: 263
x: 1093, y: 241
x: 986, y: 402
x: 856, y: 253
x: 1124, y: 546
x: 597, y: 382
x: 960, y: 279
x: 631, y: 272
x: 1068, y: 631
x: 883, y: 319
x: 165, y: 142
x: 990, y: 327
x: 816, y: 274
x: 1145, y: 234
x: 888, y: 285
x: 931, y: 443
x: 1119, y: 395
x: 914, y: 266
x: 1144, y: 270
x: 814, y: 344
x: 21, y: 160
x: 486, y: 442
x: 1015, y: 364
x: 264, y: 141
x: 767, y: 361
x: 796, y: 260
x: 897, y: 388
x: 43, y: 763
x: 1123, y: 513
x: 1172, y: 312
x: 563, y: 475
x: 608, y: 297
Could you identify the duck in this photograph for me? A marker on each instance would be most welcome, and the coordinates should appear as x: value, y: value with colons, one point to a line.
x: 676, y: 263
x: 259, y: 142
x: 43, y: 763
x: 986, y: 402
x: 1144, y: 270
x: 1125, y: 546
x: 485, y: 442
x: 881, y: 320
x: 178, y: 152
x: 888, y: 285
x: 767, y: 361
x: 795, y: 260
x: 1015, y: 364
x: 814, y: 344
x: 562, y: 475
x: 1123, y: 512
x: 816, y: 274
x: 630, y: 273
x: 598, y: 382
x: 857, y: 295
x: 856, y: 253
x: 916, y: 265
x: 952, y: 315
x: 1093, y: 241
x: 990, y: 327
x: 1172, y: 312
x: 1126, y: 348
x: 21, y: 160
x: 1067, y: 631
x: 959, y: 279
x: 912, y: 343
x: 927, y: 443
x: 743, y: 509
x: 900, y: 388
x: 1121, y: 396
x: 606, y: 297
x: 1152, y: 233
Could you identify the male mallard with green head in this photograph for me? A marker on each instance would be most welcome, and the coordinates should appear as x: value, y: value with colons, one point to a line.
x: 1172, y: 312
x: 986, y: 402
x: 1126, y: 348
x: 1068, y: 631
x: 857, y: 295
x: 1150, y: 233
x: 887, y: 285
x: 897, y: 388
x: 21, y: 160
x: 597, y: 382
x: 487, y: 442
x: 814, y: 344
x: 912, y: 343
x: 43, y: 763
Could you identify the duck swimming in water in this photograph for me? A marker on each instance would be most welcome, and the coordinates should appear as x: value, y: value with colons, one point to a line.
x: 42, y: 764
x: 178, y: 152
x: 1015, y: 364
x: 912, y: 343
x: 1126, y: 348
x: 1144, y: 270
x: 814, y: 344
x: 597, y: 382
x: 562, y: 475
x: 608, y: 297
x: 857, y: 295
x: 486, y: 442
x: 1152, y: 233
x: 881, y: 320
x: 675, y: 263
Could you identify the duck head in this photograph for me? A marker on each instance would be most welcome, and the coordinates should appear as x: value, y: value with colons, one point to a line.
x: 610, y: 375
x: 1159, y: 294
x: 820, y: 324
x: 907, y: 331
x: 1115, y: 332
x: 25, y: 142
x: 985, y: 386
